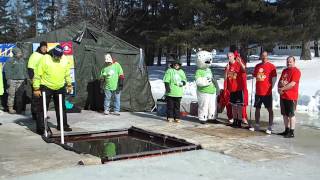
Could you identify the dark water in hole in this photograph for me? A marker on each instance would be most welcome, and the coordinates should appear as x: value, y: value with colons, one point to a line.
x: 114, y: 146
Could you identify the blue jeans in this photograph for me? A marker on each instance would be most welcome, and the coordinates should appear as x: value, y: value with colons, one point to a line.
x: 107, y: 100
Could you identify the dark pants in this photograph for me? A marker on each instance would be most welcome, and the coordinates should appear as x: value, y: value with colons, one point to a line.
x: 49, y: 95
x: 36, y: 102
x: 173, y: 107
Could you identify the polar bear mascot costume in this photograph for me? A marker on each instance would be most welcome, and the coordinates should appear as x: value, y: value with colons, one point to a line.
x: 206, y: 90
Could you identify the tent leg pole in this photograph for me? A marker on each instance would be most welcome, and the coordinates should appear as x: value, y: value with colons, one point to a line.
x: 44, y: 104
x: 61, y: 118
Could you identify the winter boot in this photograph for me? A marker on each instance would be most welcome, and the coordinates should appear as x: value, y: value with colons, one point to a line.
x: 285, y: 132
x: 290, y: 134
x: 235, y: 123
x: 203, y: 122
x: 11, y: 110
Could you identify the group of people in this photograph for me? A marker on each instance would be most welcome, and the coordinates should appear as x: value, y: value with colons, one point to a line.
x: 235, y: 92
x: 48, y: 72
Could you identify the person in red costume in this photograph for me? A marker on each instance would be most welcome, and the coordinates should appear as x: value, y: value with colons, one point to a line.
x: 245, y: 94
x: 235, y: 86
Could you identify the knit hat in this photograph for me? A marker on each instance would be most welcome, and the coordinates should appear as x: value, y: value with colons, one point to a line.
x: 107, y: 58
x: 57, y: 51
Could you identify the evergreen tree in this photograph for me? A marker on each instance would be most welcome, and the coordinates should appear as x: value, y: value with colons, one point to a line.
x: 3, y: 20
x: 73, y: 11
x: 15, y: 22
x: 51, y: 14
x: 301, y: 22
x: 31, y: 17
x: 246, y: 22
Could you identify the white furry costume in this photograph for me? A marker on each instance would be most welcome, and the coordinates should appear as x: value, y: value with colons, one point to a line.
x: 206, y: 91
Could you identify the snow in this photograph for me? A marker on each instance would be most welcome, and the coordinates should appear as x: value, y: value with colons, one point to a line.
x: 309, y: 88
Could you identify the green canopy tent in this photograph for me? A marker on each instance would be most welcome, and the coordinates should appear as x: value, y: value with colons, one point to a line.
x: 90, y: 44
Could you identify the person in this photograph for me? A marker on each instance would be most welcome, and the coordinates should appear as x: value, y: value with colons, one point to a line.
x: 233, y: 75
x: 52, y: 76
x: 245, y: 89
x: 266, y: 76
x: 32, y: 64
x: 113, y: 78
x: 206, y: 90
x: 16, y: 76
x: 174, y: 79
x: 1, y: 90
x: 288, y: 88
x: 245, y: 95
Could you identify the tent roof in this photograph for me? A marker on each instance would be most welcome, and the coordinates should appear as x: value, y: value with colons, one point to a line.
x: 75, y: 31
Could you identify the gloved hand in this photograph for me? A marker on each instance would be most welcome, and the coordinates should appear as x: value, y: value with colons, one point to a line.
x: 181, y: 83
x: 102, y: 85
x: 37, y: 92
x: 69, y: 88
x: 120, y: 85
x: 119, y: 89
x: 167, y: 86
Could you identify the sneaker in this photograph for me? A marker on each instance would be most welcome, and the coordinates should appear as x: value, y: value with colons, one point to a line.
x: 106, y: 112
x: 269, y: 131
x: 230, y: 121
x: 256, y: 128
x: 116, y: 113
x: 170, y: 120
x: 245, y: 121
x: 177, y: 120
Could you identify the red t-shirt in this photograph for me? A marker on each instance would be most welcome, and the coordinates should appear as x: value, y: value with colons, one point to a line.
x: 264, y: 72
x: 234, y: 77
x: 288, y: 75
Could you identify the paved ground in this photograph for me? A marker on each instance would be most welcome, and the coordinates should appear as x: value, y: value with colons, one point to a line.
x: 228, y: 153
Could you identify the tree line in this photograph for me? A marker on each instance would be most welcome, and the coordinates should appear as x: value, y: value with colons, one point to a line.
x: 172, y: 26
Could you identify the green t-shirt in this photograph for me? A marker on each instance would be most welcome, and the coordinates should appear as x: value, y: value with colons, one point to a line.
x: 111, y: 76
x: 174, y: 78
x: 206, y: 73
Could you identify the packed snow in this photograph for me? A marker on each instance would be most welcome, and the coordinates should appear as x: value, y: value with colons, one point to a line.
x: 309, y: 88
